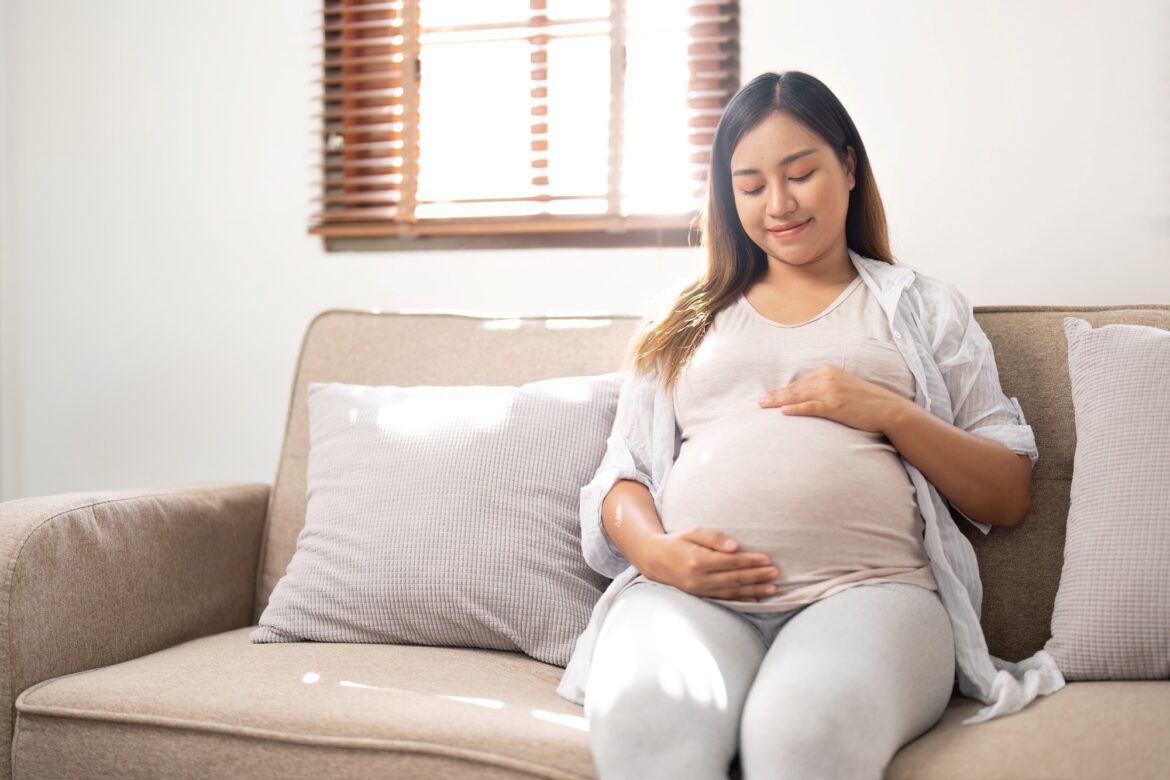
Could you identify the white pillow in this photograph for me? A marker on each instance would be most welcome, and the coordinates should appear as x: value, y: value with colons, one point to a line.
x: 1111, y: 619
x: 446, y: 516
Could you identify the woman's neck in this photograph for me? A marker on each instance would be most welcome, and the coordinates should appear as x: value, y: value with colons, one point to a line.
x: 798, y: 280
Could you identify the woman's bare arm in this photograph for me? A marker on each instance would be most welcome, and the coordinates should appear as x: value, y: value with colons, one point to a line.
x: 985, y: 480
x: 630, y: 518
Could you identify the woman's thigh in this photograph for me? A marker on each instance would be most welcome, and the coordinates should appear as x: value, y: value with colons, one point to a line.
x: 667, y: 684
x: 847, y: 682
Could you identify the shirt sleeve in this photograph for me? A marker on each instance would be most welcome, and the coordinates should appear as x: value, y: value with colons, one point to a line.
x: 628, y: 455
x: 965, y: 358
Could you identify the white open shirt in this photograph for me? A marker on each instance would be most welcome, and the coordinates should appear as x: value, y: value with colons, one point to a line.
x: 956, y: 379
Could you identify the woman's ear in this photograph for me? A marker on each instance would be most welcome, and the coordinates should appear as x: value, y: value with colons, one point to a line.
x: 850, y: 166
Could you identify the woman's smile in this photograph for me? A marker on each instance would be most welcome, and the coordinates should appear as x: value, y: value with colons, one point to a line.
x: 792, y: 231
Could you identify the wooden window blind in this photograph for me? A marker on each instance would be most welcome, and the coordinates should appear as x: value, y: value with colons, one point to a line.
x: 463, y: 117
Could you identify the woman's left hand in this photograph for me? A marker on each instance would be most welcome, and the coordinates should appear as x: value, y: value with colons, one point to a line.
x: 835, y: 394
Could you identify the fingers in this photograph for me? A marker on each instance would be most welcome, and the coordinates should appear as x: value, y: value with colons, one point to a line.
x: 711, y: 539
x: 720, y: 553
x: 752, y: 593
x: 736, y: 561
x: 757, y: 581
x: 717, y: 571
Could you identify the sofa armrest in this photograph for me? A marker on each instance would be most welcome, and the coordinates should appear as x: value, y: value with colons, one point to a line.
x: 92, y: 579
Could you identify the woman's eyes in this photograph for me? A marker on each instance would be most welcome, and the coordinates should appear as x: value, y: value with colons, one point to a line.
x: 759, y: 189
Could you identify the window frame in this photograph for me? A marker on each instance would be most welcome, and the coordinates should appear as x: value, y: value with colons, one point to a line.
x: 359, y: 70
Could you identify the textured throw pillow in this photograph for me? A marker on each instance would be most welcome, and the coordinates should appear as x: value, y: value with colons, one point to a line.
x: 447, y: 516
x: 1111, y: 620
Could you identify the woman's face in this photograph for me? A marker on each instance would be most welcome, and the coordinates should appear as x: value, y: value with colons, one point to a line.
x: 783, y: 175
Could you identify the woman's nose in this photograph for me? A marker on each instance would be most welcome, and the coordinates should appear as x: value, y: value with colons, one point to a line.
x: 780, y: 202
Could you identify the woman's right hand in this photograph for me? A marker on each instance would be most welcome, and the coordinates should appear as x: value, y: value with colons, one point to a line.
x: 699, y: 561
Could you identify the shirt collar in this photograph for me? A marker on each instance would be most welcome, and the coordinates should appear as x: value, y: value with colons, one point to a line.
x: 885, y: 280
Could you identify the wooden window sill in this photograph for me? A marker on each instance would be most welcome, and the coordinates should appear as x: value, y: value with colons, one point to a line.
x: 652, y: 237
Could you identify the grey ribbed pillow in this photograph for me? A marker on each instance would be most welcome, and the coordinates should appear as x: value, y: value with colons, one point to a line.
x: 1111, y: 620
x: 446, y: 516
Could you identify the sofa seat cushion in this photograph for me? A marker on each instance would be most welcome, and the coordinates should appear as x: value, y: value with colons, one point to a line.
x: 224, y: 706
x: 1086, y: 729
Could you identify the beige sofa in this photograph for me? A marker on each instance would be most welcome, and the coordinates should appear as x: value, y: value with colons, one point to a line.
x: 126, y: 614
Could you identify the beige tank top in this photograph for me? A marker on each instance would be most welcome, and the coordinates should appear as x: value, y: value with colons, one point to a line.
x: 832, y: 505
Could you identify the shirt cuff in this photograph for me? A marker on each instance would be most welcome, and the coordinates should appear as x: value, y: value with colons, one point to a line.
x: 1018, y: 438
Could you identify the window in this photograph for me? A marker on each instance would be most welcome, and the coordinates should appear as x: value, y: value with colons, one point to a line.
x: 556, y: 117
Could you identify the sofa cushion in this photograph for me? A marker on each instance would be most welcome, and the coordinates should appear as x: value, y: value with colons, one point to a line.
x: 226, y: 707
x: 447, y: 516
x: 1086, y: 729
x: 1111, y: 620
x: 421, y: 348
x: 223, y: 706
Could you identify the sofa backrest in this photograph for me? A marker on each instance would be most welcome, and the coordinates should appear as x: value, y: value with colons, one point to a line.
x: 1020, y: 566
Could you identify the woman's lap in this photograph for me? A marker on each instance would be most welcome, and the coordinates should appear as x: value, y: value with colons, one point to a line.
x: 680, y: 684
x: 861, y: 673
x: 668, y: 680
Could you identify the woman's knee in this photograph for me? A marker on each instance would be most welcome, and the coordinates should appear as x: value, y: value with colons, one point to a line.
x: 666, y: 686
x: 814, y: 733
x: 645, y: 731
x: 644, y: 713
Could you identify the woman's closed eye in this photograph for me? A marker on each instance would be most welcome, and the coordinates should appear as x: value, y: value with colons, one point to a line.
x: 760, y: 189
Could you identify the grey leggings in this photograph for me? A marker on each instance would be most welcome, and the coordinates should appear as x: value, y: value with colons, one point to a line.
x: 683, y: 687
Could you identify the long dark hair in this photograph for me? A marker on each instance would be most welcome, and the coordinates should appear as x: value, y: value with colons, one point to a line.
x: 734, y: 261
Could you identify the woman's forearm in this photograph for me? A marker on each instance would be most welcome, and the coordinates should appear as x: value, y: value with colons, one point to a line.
x: 985, y: 480
x: 630, y: 518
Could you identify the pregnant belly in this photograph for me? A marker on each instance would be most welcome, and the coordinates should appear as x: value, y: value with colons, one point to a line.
x: 824, y: 500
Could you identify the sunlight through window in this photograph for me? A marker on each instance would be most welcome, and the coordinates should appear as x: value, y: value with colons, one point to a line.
x: 494, y: 704
x: 574, y: 118
x: 693, y: 672
x: 572, y: 721
x: 422, y: 413
x: 475, y: 123
x: 686, y: 669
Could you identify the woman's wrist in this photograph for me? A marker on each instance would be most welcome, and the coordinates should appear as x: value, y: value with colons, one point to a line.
x: 898, y: 413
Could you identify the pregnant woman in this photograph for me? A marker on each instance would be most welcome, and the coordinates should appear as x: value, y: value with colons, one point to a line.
x: 791, y: 595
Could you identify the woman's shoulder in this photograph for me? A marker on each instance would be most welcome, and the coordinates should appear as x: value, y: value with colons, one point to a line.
x: 942, y: 313
x: 937, y: 299
x: 925, y: 293
x: 929, y: 285
x: 639, y: 385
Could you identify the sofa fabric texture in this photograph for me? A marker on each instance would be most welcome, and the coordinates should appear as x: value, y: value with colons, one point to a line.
x: 446, y: 516
x: 376, y: 711
x: 92, y: 579
x: 170, y: 684
x: 370, y: 707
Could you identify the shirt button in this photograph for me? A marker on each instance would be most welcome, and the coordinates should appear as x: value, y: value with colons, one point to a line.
x: 897, y: 335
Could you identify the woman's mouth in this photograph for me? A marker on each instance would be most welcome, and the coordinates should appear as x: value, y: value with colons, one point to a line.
x: 792, y: 231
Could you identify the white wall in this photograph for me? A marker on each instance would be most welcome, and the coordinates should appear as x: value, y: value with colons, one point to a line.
x: 1022, y: 147
x: 157, y: 277
x: 8, y: 443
